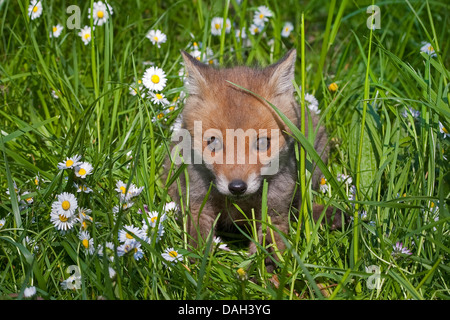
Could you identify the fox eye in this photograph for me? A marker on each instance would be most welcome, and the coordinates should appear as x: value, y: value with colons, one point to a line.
x: 263, y: 144
x: 214, y: 144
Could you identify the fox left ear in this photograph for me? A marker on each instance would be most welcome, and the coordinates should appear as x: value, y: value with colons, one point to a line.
x: 196, y: 73
x: 282, y: 73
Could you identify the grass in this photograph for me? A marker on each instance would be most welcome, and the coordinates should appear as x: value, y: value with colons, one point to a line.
x: 397, y: 159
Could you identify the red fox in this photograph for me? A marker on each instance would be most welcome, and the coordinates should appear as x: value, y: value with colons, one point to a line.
x: 235, y: 140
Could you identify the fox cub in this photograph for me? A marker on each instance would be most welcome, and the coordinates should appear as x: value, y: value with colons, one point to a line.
x: 239, y: 141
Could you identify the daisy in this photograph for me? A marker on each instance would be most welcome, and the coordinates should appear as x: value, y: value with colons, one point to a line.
x: 27, y: 200
x: 323, y: 185
x: 85, y: 34
x: 2, y: 222
x: 255, y: 28
x: 65, y: 205
x: 344, y: 178
x: 62, y: 222
x: 133, y: 191
x: 82, y: 188
x: 154, y: 79
x: 56, y: 31
x: 222, y: 246
x: 333, y: 87
x: 313, y: 103
x: 398, y: 249
x: 171, y: 255
x: 83, y: 169
x: 170, y: 207
x: 241, y: 274
x: 241, y: 34
x: 29, y: 292
x: 125, y: 205
x: 443, y: 130
x: 131, y: 246
x: 70, y: 162
x: 35, y: 9
x: 428, y: 49
x: 158, y: 98
x: 217, y: 25
x: 156, y: 37
x: 153, y: 218
x: 414, y: 113
x: 87, y: 241
x: 287, y: 29
x: 101, y: 12
x: 262, y: 15
x: 126, y: 234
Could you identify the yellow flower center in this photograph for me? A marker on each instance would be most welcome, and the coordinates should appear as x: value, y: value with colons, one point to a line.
x: 84, y: 225
x: 85, y: 243
x: 158, y: 96
x: 123, y: 189
x: 323, y: 181
x: 287, y: 29
x: 139, y: 81
x: 333, y: 86
x: 155, y: 78
x: 430, y: 48
x: 35, y: 9
x: 217, y: 26
x: 155, y: 38
x: 128, y: 236
x: 100, y: 14
x: 36, y: 181
x: 241, y: 272
x: 87, y: 36
x: 29, y: 199
x: 69, y: 163
x: 173, y: 254
x: 160, y: 116
x: 256, y: 30
x: 261, y: 16
x: 444, y: 129
x: 65, y: 205
x: 81, y: 172
x: 63, y: 218
x: 171, y: 108
x: 55, y: 29
x: 154, y: 219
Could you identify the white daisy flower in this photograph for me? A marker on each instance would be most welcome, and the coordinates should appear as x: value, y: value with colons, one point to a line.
x: 101, y: 12
x: 35, y: 9
x: 171, y: 255
x: 133, y: 190
x: 342, y: 177
x: 262, y: 15
x: 241, y: 34
x: 29, y: 292
x: 156, y: 37
x: 85, y: 34
x: 112, y: 273
x: 170, y: 207
x: 428, y: 49
x: 125, y: 205
x: 154, y: 79
x: 443, y: 130
x: 414, y: 113
x: 158, y: 98
x: 153, y: 217
x: 69, y: 163
x: 56, y: 31
x: 87, y: 241
x: 82, y: 188
x: 131, y: 246
x: 62, y: 222
x: 126, y: 234
x: 287, y: 29
x: 323, y: 185
x: 109, y: 250
x: 222, y: 246
x: 2, y: 222
x: 217, y: 25
x: 65, y: 205
x: 27, y: 200
x: 255, y: 29
x: 313, y: 104
x: 83, y: 169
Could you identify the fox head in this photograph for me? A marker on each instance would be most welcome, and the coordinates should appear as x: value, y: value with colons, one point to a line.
x: 237, y: 133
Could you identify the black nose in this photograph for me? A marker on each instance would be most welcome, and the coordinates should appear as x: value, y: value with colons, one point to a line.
x: 237, y: 187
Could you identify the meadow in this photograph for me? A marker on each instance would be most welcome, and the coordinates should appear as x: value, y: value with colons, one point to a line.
x: 84, y: 210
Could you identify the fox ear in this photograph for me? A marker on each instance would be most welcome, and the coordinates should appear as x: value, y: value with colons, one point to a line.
x: 195, y: 71
x: 282, y: 73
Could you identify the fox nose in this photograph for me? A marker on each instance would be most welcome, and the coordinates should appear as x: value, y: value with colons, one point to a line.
x: 237, y: 187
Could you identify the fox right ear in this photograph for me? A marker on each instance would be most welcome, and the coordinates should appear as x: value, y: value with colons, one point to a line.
x: 195, y: 71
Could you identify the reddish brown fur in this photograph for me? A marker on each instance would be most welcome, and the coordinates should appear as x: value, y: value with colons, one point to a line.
x: 221, y: 105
